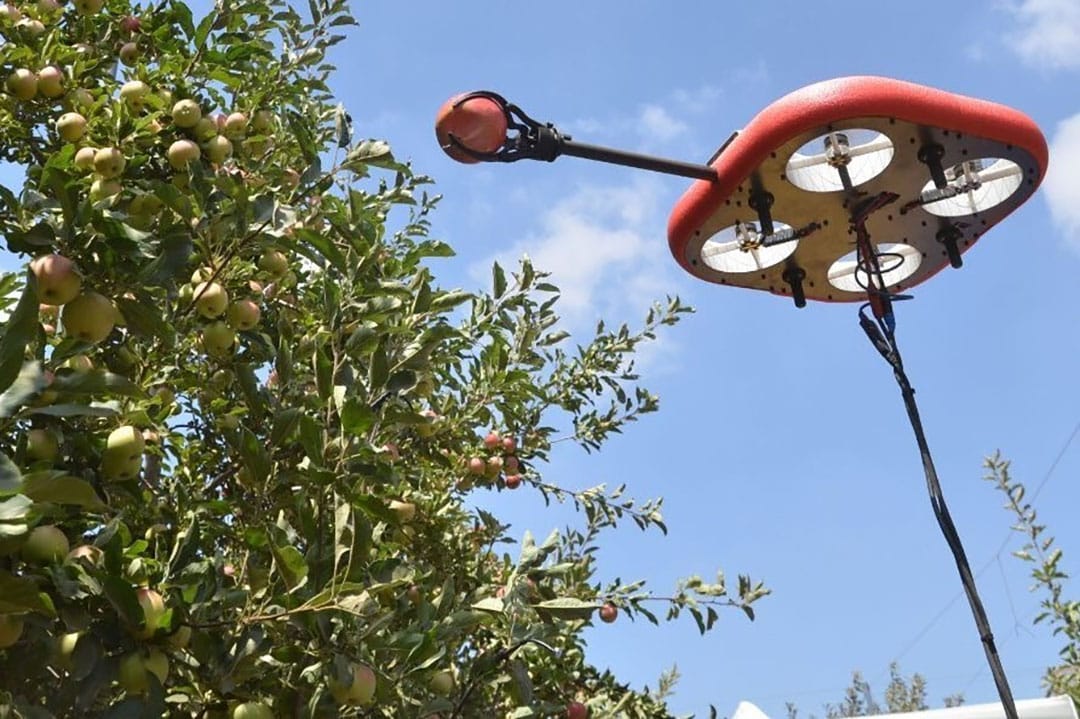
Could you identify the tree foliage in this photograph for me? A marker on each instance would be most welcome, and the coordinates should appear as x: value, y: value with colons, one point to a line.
x: 901, y: 695
x: 256, y: 420
x: 1059, y: 612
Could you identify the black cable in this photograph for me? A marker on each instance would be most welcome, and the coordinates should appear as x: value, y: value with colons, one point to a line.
x: 881, y: 335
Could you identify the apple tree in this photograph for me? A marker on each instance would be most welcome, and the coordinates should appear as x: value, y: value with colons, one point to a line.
x: 242, y: 427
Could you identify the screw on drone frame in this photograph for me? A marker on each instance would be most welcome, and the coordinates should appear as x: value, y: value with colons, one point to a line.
x: 536, y: 141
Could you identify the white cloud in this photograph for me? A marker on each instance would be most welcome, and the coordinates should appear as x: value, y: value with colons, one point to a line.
x: 656, y: 123
x: 606, y: 250
x: 1049, y: 33
x: 1062, y: 184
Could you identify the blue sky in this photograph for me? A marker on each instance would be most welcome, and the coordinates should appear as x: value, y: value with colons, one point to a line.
x: 762, y: 450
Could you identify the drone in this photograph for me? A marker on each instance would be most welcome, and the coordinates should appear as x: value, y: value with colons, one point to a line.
x: 855, y: 189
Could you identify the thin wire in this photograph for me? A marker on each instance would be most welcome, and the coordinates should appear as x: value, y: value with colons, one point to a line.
x: 912, y: 643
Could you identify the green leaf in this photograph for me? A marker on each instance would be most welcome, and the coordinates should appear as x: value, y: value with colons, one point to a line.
x: 96, y: 381
x: 14, y: 515
x: 254, y: 455
x: 10, y: 476
x: 74, y: 410
x: 290, y: 563
x: 498, y: 280
x: 490, y: 604
x: 121, y: 595
x: 285, y: 423
x: 20, y: 327
x: 356, y: 417
x: 568, y: 608
x: 19, y: 595
x: 30, y: 381
x: 448, y: 300
x: 311, y: 437
x: 59, y: 488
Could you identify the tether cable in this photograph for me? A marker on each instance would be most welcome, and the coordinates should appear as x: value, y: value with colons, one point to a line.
x: 882, y: 336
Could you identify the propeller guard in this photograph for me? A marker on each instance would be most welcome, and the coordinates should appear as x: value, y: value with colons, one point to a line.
x: 936, y: 170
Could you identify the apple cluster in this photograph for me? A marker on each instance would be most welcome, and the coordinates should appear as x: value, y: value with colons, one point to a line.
x: 498, y: 459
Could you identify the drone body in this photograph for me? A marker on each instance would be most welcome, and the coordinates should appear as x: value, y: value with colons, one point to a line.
x: 922, y: 173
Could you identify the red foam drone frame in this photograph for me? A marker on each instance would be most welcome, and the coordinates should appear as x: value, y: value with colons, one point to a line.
x: 715, y: 228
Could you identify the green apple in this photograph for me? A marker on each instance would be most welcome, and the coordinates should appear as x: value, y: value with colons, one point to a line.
x: 71, y: 126
x: 218, y: 338
x: 442, y: 683
x: 23, y: 84
x: 42, y: 445
x: 135, y: 671
x: 58, y: 280
x: 11, y: 628
x: 65, y: 648
x: 120, y: 467
x: 179, y: 639
x: 360, y: 691
x: 88, y: 7
x: 109, y: 162
x: 186, y: 113
x: 45, y: 544
x: 81, y: 97
x: 126, y: 440
x: 244, y: 315
x: 79, y: 363
x: 129, y: 53
x: 93, y: 555
x: 252, y: 710
x: 218, y: 149
x: 405, y: 511
x: 236, y: 124
x: 102, y: 189
x: 212, y: 300
x: 50, y: 82
x: 145, y: 204
x: 134, y: 93
x: 33, y: 28
x: 153, y: 608
x: 84, y: 158
x: 182, y: 153
x: 10, y: 13
x: 261, y: 120
x: 89, y: 317
x: 204, y: 129
x: 274, y: 263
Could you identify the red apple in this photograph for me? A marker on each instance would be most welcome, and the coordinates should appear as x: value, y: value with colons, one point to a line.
x: 50, y: 81
x: 477, y: 465
x: 491, y: 441
x: 244, y: 314
x: 478, y: 124
x: 577, y: 710
x: 58, y: 281
x: 361, y: 691
x: 512, y: 481
x: 23, y: 84
x: 608, y: 613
